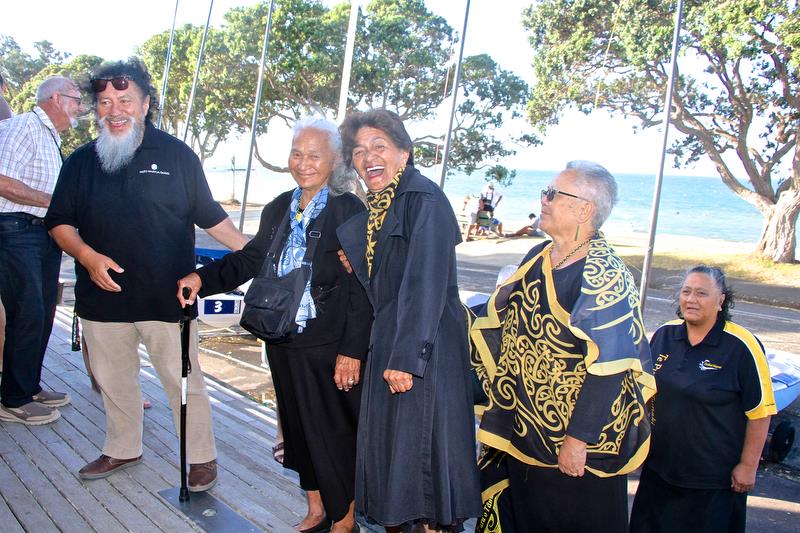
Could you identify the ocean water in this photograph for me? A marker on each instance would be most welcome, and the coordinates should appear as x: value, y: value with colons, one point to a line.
x: 690, y: 205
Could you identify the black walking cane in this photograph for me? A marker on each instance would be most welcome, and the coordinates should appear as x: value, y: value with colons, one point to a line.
x: 186, y: 327
x: 203, y: 509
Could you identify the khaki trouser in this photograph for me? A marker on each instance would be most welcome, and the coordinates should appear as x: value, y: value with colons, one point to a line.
x: 114, y: 358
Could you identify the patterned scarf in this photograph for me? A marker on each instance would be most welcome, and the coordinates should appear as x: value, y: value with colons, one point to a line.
x: 378, y: 204
x: 295, y: 249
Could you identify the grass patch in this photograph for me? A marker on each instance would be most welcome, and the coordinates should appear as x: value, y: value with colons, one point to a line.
x: 747, y: 267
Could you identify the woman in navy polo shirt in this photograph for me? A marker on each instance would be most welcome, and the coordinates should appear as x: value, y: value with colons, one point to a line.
x: 710, y: 416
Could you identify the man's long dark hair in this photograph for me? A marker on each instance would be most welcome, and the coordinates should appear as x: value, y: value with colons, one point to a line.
x: 134, y: 69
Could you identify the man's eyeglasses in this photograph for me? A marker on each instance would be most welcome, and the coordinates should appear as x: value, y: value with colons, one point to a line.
x: 120, y: 83
x: 76, y: 98
x: 549, y: 194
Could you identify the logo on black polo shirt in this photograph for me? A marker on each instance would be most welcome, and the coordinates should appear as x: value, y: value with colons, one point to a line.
x: 154, y: 170
x: 708, y: 365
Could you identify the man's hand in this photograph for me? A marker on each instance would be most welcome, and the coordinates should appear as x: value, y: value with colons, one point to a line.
x: 398, y: 380
x: 98, y: 266
x: 572, y: 457
x: 743, y: 477
x: 347, y: 372
x: 194, y: 283
x: 345, y: 262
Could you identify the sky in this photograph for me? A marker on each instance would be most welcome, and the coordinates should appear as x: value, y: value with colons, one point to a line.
x: 112, y: 29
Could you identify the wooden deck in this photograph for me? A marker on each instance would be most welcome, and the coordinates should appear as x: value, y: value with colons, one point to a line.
x: 39, y: 486
x: 40, y: 490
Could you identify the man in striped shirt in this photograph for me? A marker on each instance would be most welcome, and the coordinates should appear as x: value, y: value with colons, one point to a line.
x: 30, y: 160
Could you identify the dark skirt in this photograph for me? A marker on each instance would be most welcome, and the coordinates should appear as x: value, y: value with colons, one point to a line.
x: 662, y: 507
x: 543, y: 499
x: 319, y: 423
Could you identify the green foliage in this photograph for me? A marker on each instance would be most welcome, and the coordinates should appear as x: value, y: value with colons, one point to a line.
x: 18, y: 67
x: 77, y: 69
x: 214, y: 104
x: 400, y: 62
x: 737, y: 98
x: 500, y: 174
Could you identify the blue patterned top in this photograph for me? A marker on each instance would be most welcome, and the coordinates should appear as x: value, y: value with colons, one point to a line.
x: 295, y: 249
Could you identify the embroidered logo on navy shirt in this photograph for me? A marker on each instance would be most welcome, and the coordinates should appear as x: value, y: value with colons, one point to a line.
x: 660, y: 360
x: 154, y: 170
x: 708, y: 365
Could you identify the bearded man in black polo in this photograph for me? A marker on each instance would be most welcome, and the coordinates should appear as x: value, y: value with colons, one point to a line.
x: 125, y: 208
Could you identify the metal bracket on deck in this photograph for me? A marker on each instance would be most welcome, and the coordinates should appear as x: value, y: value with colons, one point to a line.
x: 208, y: 512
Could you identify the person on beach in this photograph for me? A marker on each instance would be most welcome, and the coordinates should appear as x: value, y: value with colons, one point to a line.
x: 125, y: 207
x: 416, y: 438
x: 529, y: 230
x: 317, y: 372
x: 569, y: 372
x: 491, y: 198
x: 30, y: 159
x: 710, y: 417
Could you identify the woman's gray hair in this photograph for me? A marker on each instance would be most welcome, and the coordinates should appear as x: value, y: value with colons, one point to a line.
x: 596, y: 185
x: 342, y: 179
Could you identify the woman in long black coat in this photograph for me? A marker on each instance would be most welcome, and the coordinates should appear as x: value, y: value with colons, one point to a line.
x: 416, y: 435
x: 317, y: 372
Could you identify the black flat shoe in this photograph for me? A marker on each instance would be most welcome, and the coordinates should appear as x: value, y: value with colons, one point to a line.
x: 323, y: 526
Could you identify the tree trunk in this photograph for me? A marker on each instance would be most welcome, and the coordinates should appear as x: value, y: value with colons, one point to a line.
x: 779, y: 238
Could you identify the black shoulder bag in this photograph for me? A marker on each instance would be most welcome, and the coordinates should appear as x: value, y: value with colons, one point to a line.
x: 272, y: 301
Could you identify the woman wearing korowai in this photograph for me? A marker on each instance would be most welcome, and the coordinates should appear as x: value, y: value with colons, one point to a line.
x: 316, y: 374
x: 710, y: 416
x: 416, y: 439
x: 569, y: 371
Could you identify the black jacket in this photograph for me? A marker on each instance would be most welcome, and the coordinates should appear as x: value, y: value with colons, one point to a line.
x: 344, y: 314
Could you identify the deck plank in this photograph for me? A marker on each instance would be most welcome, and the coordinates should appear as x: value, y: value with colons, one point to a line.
x: 42, y: 491
x: 7, y: 518
x: 29, y: 515
x: 66, y: 481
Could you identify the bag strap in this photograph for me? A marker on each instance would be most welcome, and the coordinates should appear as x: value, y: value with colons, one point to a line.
x: 269, y: 267
x: 314, y: 236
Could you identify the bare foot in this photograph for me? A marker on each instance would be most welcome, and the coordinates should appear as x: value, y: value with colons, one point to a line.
x: 310, y: 521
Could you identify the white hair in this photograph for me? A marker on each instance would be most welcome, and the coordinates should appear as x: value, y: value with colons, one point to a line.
x: 342, y: 178
x: 597, y: 185
x: 53, y: 85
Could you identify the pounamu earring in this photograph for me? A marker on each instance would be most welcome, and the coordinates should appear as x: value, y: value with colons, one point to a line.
x: 577, y: 231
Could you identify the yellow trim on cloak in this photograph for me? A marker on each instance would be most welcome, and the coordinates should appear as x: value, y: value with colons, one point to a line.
x: 499, y: 443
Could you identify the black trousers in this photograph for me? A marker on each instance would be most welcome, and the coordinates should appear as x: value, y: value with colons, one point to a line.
x: 662, y: 507
x: 544, y: 499
x: 29, y: 265
x: 319, y: 422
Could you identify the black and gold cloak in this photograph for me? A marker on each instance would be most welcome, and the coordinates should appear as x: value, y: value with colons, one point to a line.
x: 535, y: 357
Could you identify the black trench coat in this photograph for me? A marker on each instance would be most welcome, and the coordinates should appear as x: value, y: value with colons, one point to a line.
x: 416, y: 450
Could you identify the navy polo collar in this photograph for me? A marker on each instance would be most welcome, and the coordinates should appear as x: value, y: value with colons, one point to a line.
x: 712, y: 338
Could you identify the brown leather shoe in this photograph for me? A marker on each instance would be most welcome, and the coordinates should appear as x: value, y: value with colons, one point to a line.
x: 202, y: 476
x: 104, y: 466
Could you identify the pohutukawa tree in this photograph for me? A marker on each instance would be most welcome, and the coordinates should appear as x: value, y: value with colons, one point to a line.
x: 737, y: 97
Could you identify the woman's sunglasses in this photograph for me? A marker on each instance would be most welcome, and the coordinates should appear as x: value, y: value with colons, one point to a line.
x: 549, y: 194
x: 120, y: 83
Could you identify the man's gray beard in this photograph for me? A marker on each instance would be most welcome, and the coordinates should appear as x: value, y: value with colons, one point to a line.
x: 116, y: 151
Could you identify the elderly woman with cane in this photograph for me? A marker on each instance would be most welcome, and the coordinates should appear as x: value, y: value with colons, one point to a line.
x: 569, y: 372
x: 317, y: 371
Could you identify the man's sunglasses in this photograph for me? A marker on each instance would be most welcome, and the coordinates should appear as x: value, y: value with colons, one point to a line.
x: 120, y: 83
x: 549, y: 194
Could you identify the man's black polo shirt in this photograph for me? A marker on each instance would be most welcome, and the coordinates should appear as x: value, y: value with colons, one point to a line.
x: 706, y: 394
x: 142, y: 217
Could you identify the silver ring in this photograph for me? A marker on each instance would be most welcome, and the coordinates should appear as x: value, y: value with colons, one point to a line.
x: 351, y: 381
